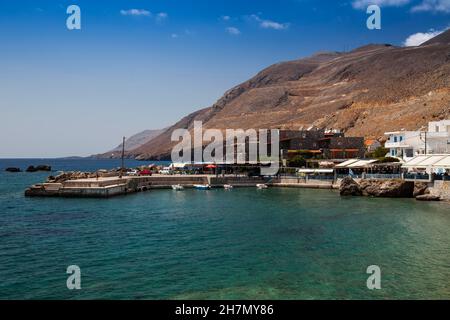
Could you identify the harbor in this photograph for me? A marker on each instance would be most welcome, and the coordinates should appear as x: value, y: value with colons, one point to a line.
x: 106, y: 187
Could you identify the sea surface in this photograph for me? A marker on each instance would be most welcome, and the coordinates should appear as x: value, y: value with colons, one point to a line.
x: 239, y: 244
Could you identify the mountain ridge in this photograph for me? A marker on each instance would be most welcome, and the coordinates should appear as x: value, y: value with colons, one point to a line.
x: 364, y: 92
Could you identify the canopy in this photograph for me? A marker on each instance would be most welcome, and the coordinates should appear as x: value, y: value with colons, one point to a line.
x: 346, y: 163
x: 438, y: 161
x: 361, y: 163
x: 355, y: 163
x: 315, y: 170
x: 179, y: 165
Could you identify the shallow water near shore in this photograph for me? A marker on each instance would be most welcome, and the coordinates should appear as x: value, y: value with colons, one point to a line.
x: 217, y: 244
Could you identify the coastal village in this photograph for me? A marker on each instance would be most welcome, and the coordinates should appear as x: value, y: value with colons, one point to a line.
x: 410, y: 164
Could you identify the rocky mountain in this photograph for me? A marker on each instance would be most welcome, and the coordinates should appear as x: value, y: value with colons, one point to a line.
x: 364, y: 92
x: 132, y: 143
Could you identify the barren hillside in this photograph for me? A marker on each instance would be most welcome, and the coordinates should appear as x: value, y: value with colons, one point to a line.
x: 364, y: 92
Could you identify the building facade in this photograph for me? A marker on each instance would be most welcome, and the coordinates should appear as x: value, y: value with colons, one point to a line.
x: 320, y: 144
x: 406, y: 145
x: 438, y: 137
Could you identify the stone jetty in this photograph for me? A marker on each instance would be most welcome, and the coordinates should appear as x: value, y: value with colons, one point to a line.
x: 103, y: 187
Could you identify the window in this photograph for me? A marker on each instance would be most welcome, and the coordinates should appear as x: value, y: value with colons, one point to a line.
x: 401, y: 138
x: 409, y: 153
x: 395, y: 139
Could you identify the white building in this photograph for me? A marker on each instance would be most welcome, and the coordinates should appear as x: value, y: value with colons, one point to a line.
x: 406, y: 145
x: 438, y: 137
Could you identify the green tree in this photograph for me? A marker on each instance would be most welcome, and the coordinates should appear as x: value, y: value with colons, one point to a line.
x: 297, y: 162
x: 379, y: 152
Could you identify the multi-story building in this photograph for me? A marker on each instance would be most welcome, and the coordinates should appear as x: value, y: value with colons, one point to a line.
x: 320, y: 143
x: 405, y: 145
x: 438, y: 137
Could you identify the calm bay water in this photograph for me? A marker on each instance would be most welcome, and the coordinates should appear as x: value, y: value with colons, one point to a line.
x: 243, y: 244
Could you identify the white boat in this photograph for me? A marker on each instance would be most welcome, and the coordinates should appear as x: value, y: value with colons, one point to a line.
x: 228, y: 187
x: 262, y: 186
x: 177, y: 187
x: 202, y: 186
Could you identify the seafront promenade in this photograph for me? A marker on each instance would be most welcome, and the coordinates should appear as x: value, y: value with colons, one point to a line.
x: 106, y: 187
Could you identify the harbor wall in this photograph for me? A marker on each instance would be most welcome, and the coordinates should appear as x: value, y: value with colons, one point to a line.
x: 289, y: 182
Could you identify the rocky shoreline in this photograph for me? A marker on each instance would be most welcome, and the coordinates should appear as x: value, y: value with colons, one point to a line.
x: 395, y: 188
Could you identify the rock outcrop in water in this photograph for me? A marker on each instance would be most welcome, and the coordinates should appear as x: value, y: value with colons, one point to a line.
x: 428, y: 197
x: 387, y: 188
x: 13, y: 169
x: 350, y: 187
x: 420, y: 189
x: 377, y: 188
x: 39, y: 168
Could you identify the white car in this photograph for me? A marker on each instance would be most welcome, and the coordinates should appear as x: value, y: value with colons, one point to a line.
x: 132, y: 172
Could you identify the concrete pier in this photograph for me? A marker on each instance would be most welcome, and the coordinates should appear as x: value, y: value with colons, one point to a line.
x: 113, y: 186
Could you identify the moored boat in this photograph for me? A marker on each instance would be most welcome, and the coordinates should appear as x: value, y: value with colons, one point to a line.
x: 177, y: 187
x: 202, y: 186
x: 228, y: 187
x: 262, y: 186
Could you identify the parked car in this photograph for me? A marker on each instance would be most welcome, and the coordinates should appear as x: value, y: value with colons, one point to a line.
x: 145, y: 173
x: 132, y: 172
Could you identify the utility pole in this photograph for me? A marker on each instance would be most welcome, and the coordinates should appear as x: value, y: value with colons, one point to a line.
x: 426, y: 136
x: 425, y: 140
x: 123, y: 156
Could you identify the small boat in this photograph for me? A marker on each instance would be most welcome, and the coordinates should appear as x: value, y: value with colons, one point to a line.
x: 228, y: 187
x: 177, y: 187
x: 262, y: 186
x: 202, y: 186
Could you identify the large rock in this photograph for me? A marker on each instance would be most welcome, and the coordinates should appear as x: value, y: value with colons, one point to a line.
x: 420, y: 188
x: 377, y: 188
x: 39, y: 168
x: 13, y: 170
x: 350, y: 187
x: 387, y: 188
x: 428, y: 197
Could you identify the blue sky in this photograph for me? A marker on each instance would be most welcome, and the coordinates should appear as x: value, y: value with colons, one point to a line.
x: 139, y: 65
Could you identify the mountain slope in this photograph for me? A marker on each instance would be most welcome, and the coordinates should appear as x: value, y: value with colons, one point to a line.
x: 132, y: 143
x: 365, y: 92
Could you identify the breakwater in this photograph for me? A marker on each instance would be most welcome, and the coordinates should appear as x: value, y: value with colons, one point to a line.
x: 105, y: 187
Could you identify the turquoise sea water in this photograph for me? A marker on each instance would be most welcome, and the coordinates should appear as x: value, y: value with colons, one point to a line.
x: 239, y: 244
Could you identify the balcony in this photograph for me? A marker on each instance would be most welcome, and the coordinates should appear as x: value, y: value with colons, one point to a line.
x: 401, y: 144
x: 438, y: 135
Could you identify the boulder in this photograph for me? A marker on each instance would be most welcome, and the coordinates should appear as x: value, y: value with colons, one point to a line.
x: 13, y: 170
x: 428, y: 197
x: 350, y: 187
x: 420, y: 188
x: 39, y: 168
x: 395, y: 188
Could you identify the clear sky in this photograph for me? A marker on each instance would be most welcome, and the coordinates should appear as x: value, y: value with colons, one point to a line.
x: 137, y: 65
